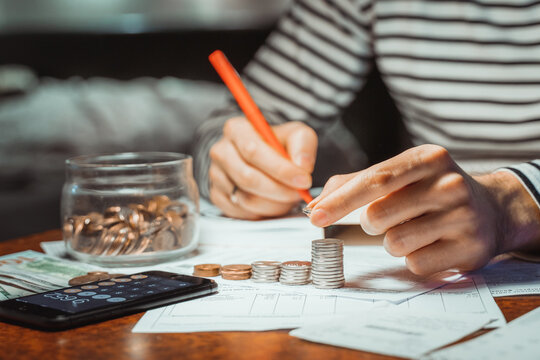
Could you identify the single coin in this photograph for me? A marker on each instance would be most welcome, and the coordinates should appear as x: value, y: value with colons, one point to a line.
x: 296, y: 263
x: 236, y: 267
x: 83, y: 279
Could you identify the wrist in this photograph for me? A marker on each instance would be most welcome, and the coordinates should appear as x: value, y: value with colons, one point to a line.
x: 517, y: 214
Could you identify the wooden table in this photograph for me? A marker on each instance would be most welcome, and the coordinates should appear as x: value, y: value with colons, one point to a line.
x: 113, y: 339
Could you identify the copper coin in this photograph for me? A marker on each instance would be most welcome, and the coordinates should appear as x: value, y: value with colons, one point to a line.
x: 235, y: 277
x: 236, y: 267
x: 83, y: 279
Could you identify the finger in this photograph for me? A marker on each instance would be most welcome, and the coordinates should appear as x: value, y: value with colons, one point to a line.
x: 260, y: 155
x: 331, y: 185
x: 428, y: 195
x: 379, y: 180
x: 260, y: 206
x: 412, y: 235
x: 219, y: 179
x: 300, y: 142
x: 222, y: 201
x: 247, y: 177
x: 445, y: 254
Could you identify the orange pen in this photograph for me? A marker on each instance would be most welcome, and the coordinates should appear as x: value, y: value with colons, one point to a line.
x: 231, y: 78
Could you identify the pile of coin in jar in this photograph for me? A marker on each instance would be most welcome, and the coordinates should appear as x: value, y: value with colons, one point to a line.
x: 155, y: 225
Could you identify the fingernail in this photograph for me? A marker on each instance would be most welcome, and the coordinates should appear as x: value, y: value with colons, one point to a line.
x: 302, y: 181
x: 307, y: 211
x: 319, y: 217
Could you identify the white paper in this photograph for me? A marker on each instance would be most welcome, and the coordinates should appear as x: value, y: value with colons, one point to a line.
x: 520, y: 339
x: 509, y: 276
x: 468, y: 295
x: 407, y: 334
x: 247, y: 306
x: 243, y: 308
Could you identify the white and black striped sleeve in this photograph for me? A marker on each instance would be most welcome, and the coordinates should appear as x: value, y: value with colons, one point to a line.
x: 308, y: 70
x: 529, y: 175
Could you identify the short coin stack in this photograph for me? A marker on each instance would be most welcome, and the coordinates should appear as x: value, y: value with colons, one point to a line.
x: 206, y: 270
x: 265, y: 271
x: 327, y: 263
x: 295, y: 272
x: 236, y: 272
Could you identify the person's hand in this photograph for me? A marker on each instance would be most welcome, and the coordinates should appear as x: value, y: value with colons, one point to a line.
x: 250, y: 180
x: 432, y: 212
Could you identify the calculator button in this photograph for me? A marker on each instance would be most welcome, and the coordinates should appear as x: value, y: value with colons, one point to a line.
x: 106, y: 283
x: 116, y: 299
x: 101, y: 296
x: 87, y: 293
x: 138, y: 277
x: 72, y: 291
x: 121, y: 280
x: 89, y: 287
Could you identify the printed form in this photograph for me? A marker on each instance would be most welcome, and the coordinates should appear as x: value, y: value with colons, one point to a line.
x: 251, y: 308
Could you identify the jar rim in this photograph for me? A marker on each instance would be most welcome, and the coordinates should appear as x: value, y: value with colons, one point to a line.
x: 127, y: 160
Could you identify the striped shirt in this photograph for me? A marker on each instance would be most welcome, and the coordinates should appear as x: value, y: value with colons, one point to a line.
x: 465, y: 74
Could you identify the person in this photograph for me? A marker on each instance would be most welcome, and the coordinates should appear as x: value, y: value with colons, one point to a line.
x: 466, y: 77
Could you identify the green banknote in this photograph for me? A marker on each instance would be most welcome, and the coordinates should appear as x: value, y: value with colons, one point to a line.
x: 32, y: 272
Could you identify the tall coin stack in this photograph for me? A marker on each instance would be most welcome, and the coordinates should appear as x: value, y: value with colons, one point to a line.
x: 265, y: 271
x: 295, y: 272
x: 327, y: 263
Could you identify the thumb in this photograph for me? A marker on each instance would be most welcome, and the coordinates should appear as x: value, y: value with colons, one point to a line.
x: 300, y: 141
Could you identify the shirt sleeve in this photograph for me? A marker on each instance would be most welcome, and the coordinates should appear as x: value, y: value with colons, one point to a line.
x: 309, y: 69
x: 529, y: 175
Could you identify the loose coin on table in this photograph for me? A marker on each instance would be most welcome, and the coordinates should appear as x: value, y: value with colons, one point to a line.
x: 92, y: 276
x: 236, y: 272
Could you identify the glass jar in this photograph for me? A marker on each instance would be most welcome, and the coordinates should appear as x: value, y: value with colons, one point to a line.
x: 130, y: 209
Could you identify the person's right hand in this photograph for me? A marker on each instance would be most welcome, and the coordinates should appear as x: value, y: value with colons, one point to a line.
x: 248, y: 179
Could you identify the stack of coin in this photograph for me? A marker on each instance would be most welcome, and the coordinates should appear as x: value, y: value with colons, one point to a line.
x: 266, y: 271
x: 327, y: 263
x: 236, y: 272
x: 295, y: 272
x: 91, y: 277
x: 155, y: 225
x: 206, y: 270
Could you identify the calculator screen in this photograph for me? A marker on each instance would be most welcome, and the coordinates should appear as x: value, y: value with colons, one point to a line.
x: 103, y: 293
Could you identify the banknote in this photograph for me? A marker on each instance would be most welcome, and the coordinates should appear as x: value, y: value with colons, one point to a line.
x: 30, y: 271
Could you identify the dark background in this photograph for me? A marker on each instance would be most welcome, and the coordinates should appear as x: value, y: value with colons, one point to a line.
x: 172, y: 52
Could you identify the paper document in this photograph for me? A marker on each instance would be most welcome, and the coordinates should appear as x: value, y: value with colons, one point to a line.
x: 245, y: 308
x: 250, y: 308
x: 393, y: 332
x: 510, y: 276
x: 520, y: 339
x: 469, y: 295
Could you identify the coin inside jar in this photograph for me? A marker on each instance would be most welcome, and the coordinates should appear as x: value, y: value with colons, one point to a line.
x: 153, y: 225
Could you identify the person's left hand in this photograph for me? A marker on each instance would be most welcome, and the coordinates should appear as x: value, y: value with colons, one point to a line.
x: 432, y: 212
